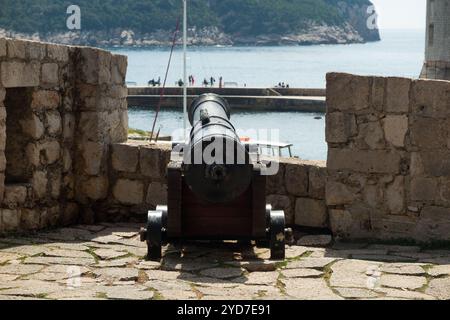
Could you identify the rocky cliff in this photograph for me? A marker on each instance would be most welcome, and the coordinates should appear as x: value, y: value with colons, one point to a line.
x: 230, y: 22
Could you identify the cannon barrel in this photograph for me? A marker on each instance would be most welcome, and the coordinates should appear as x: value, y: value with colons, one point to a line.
x: 217, y: 166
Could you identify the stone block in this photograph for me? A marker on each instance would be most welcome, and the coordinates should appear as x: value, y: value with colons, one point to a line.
x: 90, y: 66
x: 93, y: 154
x: 36, y: 51
x: 436, y: 214
x: 154, y: 161
x: 317, y: 182
x: 20, y: 74
x: 275, y: 183
x: 10, y: 219
x: 423, y: 189
x: 45, y: 99
x: 378, y: 93
x: 54, y: 122
x: 129, y: 192
x: 397, y: 95
x: 70, y: 214
x: 311, y: 213
x: 33, y: 127
x: 104, y: 63
x: 95, y: 188
x: 67, y: 160
x: 2, y: 47
x: 68, y: 126
x: 340, y: 127
x: 17, y: 49
x: 30, y: 219
x: 395, y: 129
x: 15, y: 195
x: 371, y: 136
x: 444, y: 190
x: 280, y: 202
x: 347, y: 92
x: 430, y: 98
x: 428, y: 133
x: 338, y: 194
x: 125, y: 157
x: 119, y: 65
x: 93, y: 126
x: 55, y: 184
x: 52, y: 151
x: 156, y: 194
x: 50, y: 216
x: 58, y: 53
x: 296, y: 179
x: 371, y: 161
x: 436, y: 163
x: 39, y: 182
x: 50, y: 74
x: 395, y: 196
x: 341, y: 223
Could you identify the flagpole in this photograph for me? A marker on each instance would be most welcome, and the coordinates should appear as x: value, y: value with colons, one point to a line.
x: 185, y: 68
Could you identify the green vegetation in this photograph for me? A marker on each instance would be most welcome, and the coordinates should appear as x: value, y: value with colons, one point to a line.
x: 246, y: 17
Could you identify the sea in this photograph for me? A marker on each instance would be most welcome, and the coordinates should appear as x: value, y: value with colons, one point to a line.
x: 399, y: 53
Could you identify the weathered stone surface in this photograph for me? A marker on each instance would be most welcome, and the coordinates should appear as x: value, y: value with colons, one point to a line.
x: 309, y: 289
x: 311, y: 213
x: 403, y: 282
x: 355, y: 274
x: 397, y: 95
x: 395, y: 129
x: 311, y: 263
x: 2, y: 47
x: 340, y: 127
x: 153, y: 161
x: 404, y: 294
x: 356, y: 293
x: 439, y: 288
x: 117, y: 274
x: 36, y: 51
x: 156, y: 194
x: 371, y: 161
x: 15, y: 195
x: 60, y: 261
x: 45, y: 99
x: 33, y: 126
x: 95, y: 188
x: 262, y: 278
x: 295, y: 251
x: 129, y: 192
x: 403, y: 269
x: 436, y: 163
x: 338, y: 194
x: 302, y: 273
x: 296, y: 179
x: 395, y: 196
x: 125, y: 157
x: 423, y: 189
x: 20, y: 74
x: 430, y: 98
x: 371, y: 136
x: 340, y: 92
x: 54, y: 123
x: 428, y: 133
x: 315, y: 241
x: 317, y: 181
x: 439, y: 271
x: 50, y: 74
x: 39, y: 183
x: 93, y: 154
x: 10, y: 219
x: 16, y: 49
x: 107, y: 254
x: 222, y: 273
x: 58, y: 52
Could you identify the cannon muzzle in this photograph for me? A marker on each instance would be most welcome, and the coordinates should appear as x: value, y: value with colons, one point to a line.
x: 217, y: 166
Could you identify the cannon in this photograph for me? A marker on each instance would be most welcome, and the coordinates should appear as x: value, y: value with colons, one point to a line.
x: 216, y: 188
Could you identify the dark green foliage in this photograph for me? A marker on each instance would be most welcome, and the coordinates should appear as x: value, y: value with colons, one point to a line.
x: 250, y: 17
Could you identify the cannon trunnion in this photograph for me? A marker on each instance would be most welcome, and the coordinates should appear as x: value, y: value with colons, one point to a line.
x: 216, y: 189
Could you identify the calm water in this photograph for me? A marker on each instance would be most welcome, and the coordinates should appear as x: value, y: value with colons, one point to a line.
x: 400, y: 53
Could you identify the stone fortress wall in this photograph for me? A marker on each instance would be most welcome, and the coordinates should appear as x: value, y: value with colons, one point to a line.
x: 60, y: 109
x: 65, y: 157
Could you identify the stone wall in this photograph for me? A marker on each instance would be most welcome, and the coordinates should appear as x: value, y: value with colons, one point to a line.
x: 138, y: 184
x: 389, y: 157
x: 60, y: 107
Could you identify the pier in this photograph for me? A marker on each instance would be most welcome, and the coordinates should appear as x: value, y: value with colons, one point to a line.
x: 256, y: 99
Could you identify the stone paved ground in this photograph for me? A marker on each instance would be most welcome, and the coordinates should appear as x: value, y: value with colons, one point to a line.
x: 106, y: 262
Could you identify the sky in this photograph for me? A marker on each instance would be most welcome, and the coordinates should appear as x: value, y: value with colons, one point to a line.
x: 401, y: 14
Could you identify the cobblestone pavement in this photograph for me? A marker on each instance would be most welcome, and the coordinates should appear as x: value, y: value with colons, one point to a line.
x: 106, y: 262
